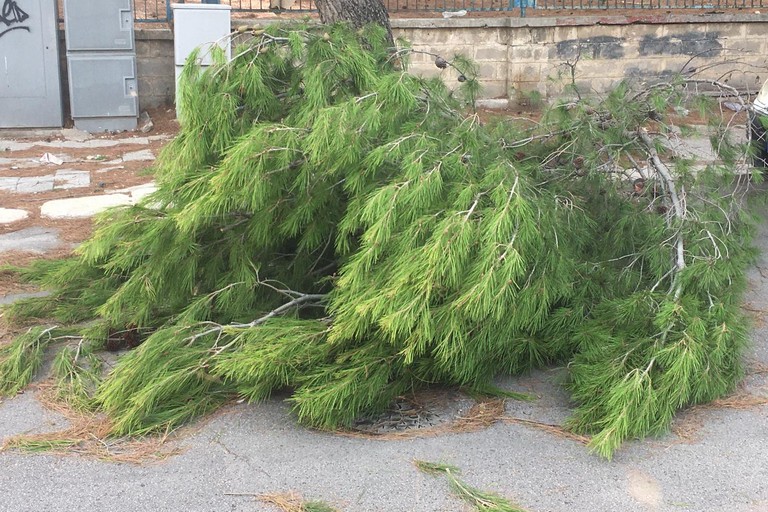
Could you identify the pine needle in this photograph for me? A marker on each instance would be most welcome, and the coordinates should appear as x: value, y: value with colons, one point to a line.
x: 293, y: 502
x: 22, y: 358
x: 88, y: 435
x: 481, y: 501
x: 552, y: 429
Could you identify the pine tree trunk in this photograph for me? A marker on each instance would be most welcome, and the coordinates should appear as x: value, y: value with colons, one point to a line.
x: 358, y: 12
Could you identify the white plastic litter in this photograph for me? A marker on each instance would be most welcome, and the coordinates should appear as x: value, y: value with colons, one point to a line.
x: 49, y: 158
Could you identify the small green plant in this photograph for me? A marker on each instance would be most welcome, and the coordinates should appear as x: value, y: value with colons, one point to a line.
x: 532, y: 99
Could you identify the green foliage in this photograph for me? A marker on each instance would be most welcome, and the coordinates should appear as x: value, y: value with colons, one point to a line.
x: 77, y: 371
x: 317, y: 506
x: 329, y: 224
x: 479, y: 500
x: 20, y: 359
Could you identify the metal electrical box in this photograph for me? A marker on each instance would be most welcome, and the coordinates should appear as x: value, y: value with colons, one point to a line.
x: 30, y: 81
x: 199, y: 26
x: 102, y: 25
x: 106, y: 91
x: 101, y: 61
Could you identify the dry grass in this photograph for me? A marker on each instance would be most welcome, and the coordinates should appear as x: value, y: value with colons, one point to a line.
x: 756, y: 368
x: 739, y: 400
x: 288, y: 501
x: 88, y: 435
x: 688, y: 423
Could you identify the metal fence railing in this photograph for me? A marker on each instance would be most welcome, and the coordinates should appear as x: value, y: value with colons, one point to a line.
x: 160, y: 10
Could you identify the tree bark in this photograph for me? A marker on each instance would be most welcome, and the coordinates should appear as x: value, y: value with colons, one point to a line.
x: 357, y: 12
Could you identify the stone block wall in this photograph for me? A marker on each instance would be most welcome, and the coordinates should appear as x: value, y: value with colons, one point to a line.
x: 155, y: 67
x: 519, y: 55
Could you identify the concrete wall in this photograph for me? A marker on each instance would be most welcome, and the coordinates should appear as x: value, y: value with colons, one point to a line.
x: 519, y: 55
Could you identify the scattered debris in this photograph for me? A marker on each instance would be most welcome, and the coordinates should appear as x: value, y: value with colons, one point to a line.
x: 96, y: 158
x: 145, y: 123
x: 454, y: 14
x: 736, y: 107
x: 49, y: 158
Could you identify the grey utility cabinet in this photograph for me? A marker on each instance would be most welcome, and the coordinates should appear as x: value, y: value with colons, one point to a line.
x: 199, y: 26
x: 30, y: 81
x: 101, y: 60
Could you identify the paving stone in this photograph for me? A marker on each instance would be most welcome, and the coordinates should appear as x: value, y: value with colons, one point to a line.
x: 75, y: 134
x: 13, y: 297
x: 111, y: 167
x: 139, y: 156
x: 9, y: 184
x: 86, y: 144
x: 143, y: 141
x: 34, y: 184
x: 138, y: 192
x: 80, y: 207
x: 71, y: 178
x: 20, y: 163
x: 9, y: 215
x: 34, y: 239
x: 13, y: 145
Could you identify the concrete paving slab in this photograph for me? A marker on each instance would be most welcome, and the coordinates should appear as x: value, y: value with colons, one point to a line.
x: 14, y: 145
x: 75, y: 135
x: 9, y: 184
x: 82, y: 207
x: 71, y: 178
x: 35, y: 239
x: 139, y: 141
x: 70, y: 143
x: 10, y: 215
x: 138, y: 192
x: 145, y: 155
x: 73, y: 144
x: 35, y: 184
x: 13, y: 297
x: 111, y: 167
x: 18, y: 163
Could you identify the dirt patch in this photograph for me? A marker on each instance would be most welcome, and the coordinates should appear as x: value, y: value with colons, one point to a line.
x: 105, y: 178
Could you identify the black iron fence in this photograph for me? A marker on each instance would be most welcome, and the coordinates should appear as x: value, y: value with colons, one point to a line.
x: 160, y: 10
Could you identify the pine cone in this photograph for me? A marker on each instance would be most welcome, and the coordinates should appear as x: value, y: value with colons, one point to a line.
x: 441, y: 63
